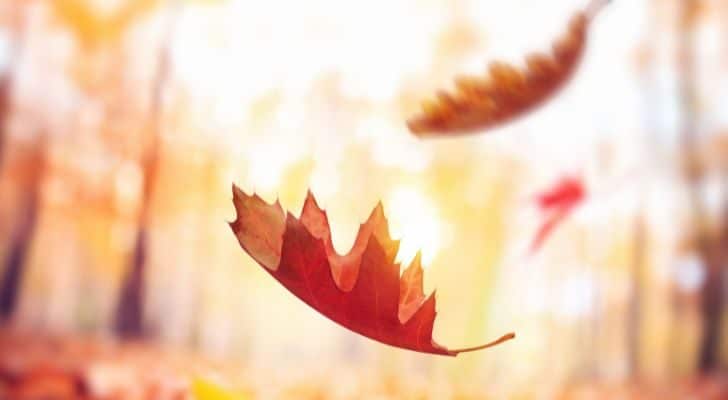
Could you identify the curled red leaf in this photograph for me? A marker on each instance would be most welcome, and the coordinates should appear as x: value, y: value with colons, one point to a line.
x: 361, y: 290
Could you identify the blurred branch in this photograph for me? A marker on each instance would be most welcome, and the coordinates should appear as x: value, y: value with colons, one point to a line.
x: 712, y: 299
x: 24, y: 227
x: 634, y: 331
x: 688, y: 97
x: 26, y: 216
x: 129, y: 314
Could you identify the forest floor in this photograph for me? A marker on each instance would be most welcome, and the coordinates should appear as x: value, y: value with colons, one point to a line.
x: 51, y: 368
x: 48, y: 368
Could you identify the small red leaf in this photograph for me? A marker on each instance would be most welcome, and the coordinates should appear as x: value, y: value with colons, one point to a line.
x: 567, y: 192
x: 361, y: 290
x: 555, y: 205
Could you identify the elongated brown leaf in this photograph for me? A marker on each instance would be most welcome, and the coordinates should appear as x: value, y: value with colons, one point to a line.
x: 361, y: 290
x: 505, y: 92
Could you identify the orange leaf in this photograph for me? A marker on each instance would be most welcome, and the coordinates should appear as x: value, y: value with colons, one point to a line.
x: 361, y: 290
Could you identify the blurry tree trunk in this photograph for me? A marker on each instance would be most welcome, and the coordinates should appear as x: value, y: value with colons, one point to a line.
x: 592, y: 326
x: 22, y: 234
x: 15, y: 260
x: 639, y: 243
x: 713, y: 301
x: 708, y: 248
x: 129, y: 312
x: 19, y: 241
x: 712, y: 310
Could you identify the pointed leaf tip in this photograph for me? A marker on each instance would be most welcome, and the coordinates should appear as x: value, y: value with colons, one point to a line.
x: 378, y: 209
x: 310, y: 201
x: 411, y: 294
x: 259, y: 227
x: 237, y: 192
x: 418, y: 258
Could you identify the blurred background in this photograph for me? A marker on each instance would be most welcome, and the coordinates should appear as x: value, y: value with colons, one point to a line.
x: 123, y: 124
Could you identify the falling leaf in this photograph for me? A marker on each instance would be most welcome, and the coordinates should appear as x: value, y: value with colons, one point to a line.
x: 506, y: 92
x: 556, y: 204
x: 361, y: 290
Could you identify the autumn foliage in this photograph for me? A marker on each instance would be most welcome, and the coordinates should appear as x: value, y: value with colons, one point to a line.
x: 505, y: 92
x: 93, y: 27
x: 361, y: 290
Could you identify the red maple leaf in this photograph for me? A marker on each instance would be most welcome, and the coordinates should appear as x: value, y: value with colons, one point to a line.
x: 361, y: 290
x: 555, y: 204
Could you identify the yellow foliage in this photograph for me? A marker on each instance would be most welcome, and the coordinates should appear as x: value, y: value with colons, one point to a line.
x: 91, y: 26
x: 205, y: 390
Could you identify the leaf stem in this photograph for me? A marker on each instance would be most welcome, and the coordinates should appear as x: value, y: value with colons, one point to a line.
x: 496, y: 342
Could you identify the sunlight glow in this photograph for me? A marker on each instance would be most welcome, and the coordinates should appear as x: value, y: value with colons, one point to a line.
x: 268, y: 162
x: 415, y: 221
